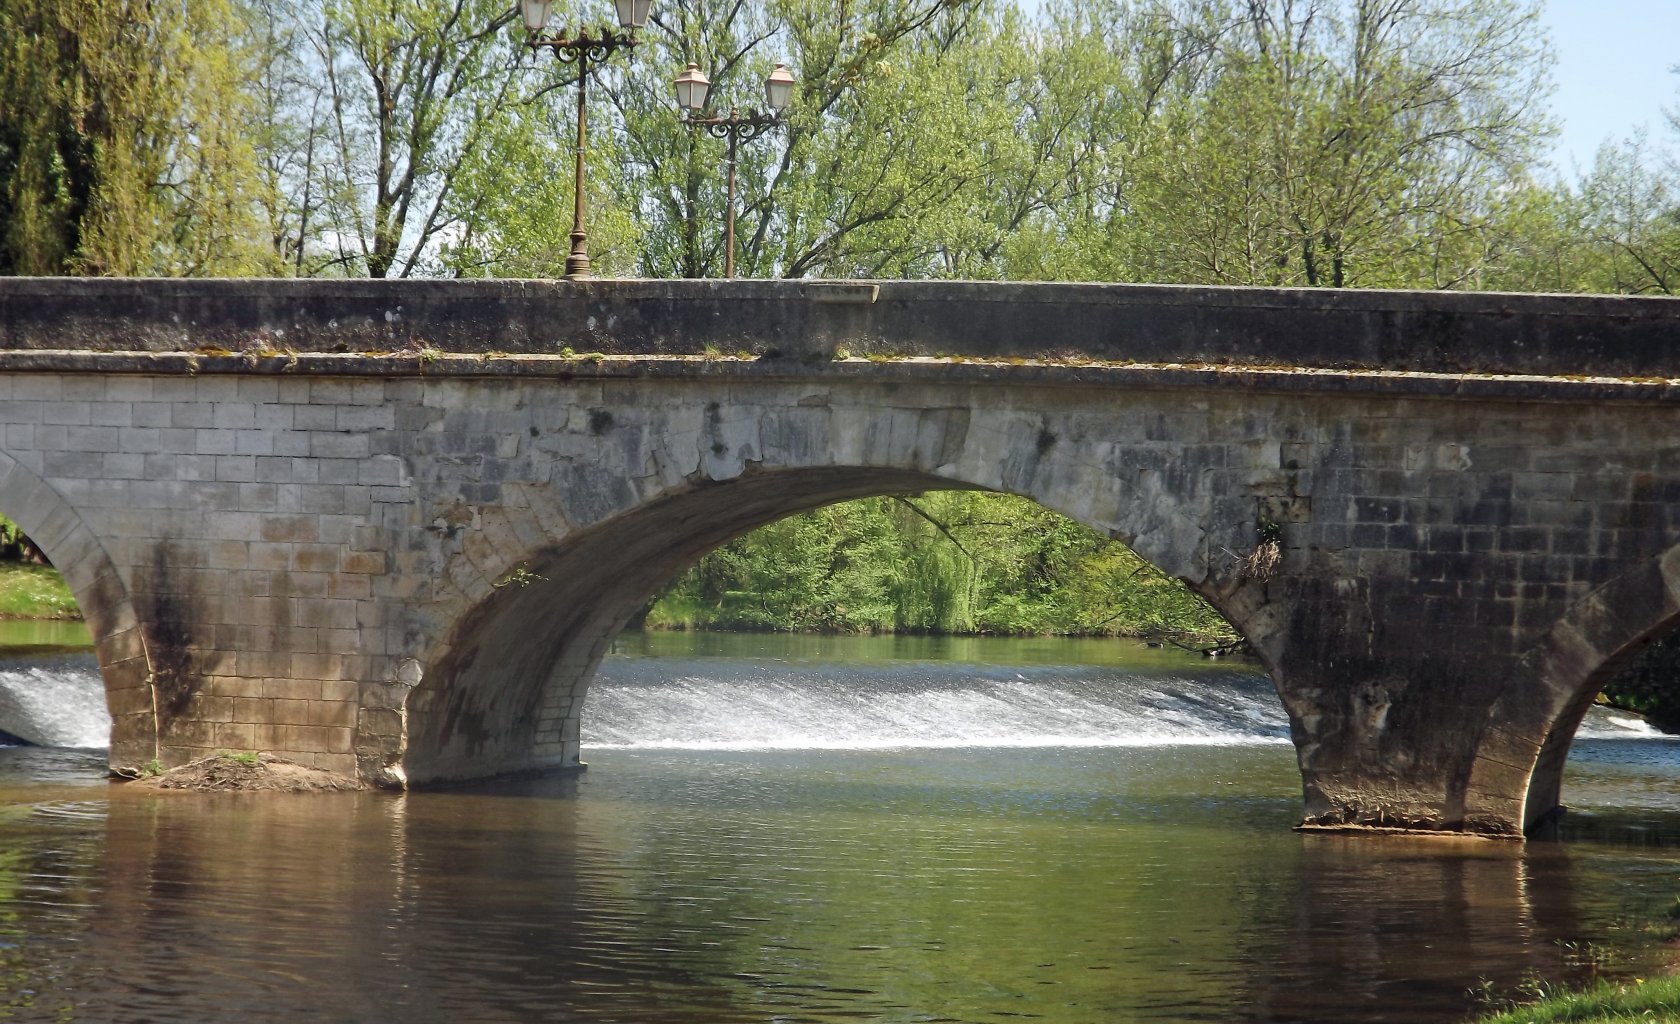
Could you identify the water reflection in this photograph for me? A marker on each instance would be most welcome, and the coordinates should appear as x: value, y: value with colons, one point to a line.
x: 675, y: 885
x: 54, y: 633
x: 1405, y: 921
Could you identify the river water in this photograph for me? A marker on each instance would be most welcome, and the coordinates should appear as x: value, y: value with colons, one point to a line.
x: 817, y: 829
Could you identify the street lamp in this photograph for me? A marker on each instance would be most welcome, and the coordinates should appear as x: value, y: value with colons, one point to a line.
x: 584, y: 50
x: 692, y: 87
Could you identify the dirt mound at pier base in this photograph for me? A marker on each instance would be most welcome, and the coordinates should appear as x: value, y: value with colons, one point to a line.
x: 248, y: 773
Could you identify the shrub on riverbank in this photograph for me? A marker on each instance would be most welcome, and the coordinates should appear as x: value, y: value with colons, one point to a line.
x: 15, y: 547
x: 34, y: 592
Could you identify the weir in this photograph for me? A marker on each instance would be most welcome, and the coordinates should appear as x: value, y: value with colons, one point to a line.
x: 300, y: 515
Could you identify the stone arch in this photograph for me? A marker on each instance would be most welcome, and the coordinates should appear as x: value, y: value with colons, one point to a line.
x: 501, y: 689
x: 56, y: 527
x: 1517, y: 774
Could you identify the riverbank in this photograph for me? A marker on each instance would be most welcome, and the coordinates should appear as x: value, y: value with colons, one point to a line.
x: 1643, y: 1000
x: 35, y: 592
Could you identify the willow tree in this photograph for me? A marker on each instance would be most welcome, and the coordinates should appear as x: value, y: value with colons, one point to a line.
x: 124, y: 139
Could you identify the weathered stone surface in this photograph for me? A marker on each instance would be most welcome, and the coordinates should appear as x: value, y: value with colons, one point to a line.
x: 407, y: 566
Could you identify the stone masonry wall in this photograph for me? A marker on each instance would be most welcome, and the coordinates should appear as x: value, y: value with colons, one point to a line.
x: 314, y: 561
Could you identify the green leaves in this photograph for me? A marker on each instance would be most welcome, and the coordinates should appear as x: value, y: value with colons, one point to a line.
x: 123, y: 142
x: 943, y: 562
x: 1341, y: 143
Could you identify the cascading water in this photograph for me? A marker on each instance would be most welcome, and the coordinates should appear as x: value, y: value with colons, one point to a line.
x: 58, y: 699
x: 729, y: 704
x: 54, y: 700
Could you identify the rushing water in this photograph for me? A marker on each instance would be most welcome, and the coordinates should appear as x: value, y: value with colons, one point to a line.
x: 789, y: 829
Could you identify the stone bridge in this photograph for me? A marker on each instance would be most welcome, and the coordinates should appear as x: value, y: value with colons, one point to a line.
x: 390, y: 528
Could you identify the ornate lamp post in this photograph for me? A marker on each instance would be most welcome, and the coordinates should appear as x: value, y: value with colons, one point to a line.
x: 584, y: 50
x: 692, y: 87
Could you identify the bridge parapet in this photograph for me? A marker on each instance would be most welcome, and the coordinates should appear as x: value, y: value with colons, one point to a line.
x: 810, y: 321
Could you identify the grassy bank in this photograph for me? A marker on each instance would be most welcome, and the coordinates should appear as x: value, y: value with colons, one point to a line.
x: 34, y: 592
x: 1653, y: 1000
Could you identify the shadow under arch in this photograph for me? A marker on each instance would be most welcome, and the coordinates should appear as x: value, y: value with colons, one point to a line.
x: 506, y: 695
x: 59, y: 531
x: 1518, y: 770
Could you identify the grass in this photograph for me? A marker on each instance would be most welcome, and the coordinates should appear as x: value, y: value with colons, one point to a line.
x: 34, y: 592
x: 1610, y: 1002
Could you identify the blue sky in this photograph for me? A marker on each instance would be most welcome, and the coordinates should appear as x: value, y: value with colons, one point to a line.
x: 1612, y: 73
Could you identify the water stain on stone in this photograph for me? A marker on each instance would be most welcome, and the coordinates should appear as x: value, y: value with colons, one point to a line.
x: 170, y: 650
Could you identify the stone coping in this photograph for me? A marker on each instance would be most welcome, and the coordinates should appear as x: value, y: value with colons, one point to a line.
x: 910, y: 370
x: 813, y: 321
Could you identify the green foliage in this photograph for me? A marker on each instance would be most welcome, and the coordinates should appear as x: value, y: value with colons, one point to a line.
x: 1317, y: 142
x: 1649, y: 684
x: 944, y: 562
x: 124, y: 146
x: 14, y: 546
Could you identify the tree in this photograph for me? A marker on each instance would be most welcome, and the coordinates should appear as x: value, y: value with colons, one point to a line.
x: 1324, y: 143
x: 879, y: 138
x: 413, y: 96
x: 124, y: 141
x: 1631, y: 215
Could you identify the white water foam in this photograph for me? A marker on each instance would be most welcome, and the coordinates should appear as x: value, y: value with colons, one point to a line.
x: 789, y: 707
x: 59, y: 701
x: 54, y: 701
x: 1604, y: 723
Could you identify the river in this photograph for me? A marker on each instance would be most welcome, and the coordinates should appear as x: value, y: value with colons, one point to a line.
x: 800, y: 829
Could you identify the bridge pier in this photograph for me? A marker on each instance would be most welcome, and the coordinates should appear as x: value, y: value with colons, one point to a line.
x: 391, y: 528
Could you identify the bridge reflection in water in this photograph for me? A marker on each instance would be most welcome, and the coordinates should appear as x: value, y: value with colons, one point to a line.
x: 1149, y: 883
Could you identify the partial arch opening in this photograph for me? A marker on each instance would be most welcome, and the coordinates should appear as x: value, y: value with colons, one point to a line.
x: 51, y: 693
x: 1641, y: 679
x: 58, y: 536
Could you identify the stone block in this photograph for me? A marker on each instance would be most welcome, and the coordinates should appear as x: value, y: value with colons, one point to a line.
x: 134, y: 700
x: 291, y: 443
x: 111, y: 414
x: 256, y: 441
x: 317, y: 666
x: 363, y: 562
x: 332, y: 713
x: 64, y: 413
x: 236, y: 469
x: 209, y: 441
x: 317, y: 739
x: 288, y: 529
x: 47, y: 439
x: 232, y: 415
x: 315, y: 558
x: 341, y: 641
x: 290, y: 712
x: 340, y: 689
x: 257, y: 390
x: 325, y: 445
x: 197, y: 415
